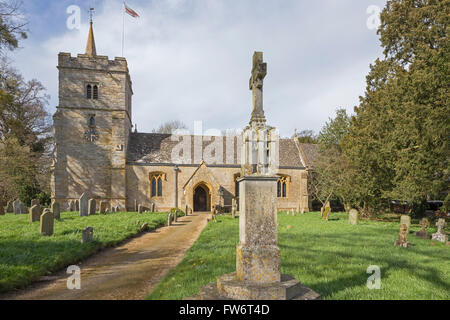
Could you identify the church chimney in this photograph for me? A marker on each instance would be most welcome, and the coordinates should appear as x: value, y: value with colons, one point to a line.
x: 90, y: 47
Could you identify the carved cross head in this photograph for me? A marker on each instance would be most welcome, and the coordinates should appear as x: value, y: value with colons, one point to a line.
x: 259, y: 71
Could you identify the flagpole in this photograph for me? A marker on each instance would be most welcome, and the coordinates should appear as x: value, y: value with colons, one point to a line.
x: 123, y: 27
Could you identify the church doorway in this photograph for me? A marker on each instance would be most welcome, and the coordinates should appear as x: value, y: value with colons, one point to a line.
x: 202, y: 199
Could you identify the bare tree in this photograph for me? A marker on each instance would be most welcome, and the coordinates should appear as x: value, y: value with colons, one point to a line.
x: 12, y: 24
x: 169, y: 127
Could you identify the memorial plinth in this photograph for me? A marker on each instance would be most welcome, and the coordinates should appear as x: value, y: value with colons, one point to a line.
x: 258, y: 264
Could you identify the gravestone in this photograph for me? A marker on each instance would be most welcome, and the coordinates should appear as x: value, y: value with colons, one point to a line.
x: 35, y: 213
x: 140, y: 209
x: 72, y: 206
x: 144, y: 227
x: 233, y: 212
x: 153, y: 207
x: 402, y: 241
x: 406, y: 220
x: 302, y: 211
x: 169, y: 219
x: 104, y: 206
x: 35, y: 202
x: 353, y: 217
x: 293, y: 212
x: 47, y: 221
x: 326, y: 212
x: 18, y: 207
x: 424, y: 224
x: 2, y: 210
x: 175, y: 216
x: 84, y: 205
x: 440, y: 234
x: 187, y: 210
x: 77, y: 205
x: 135, y: 206
x: 92, y: 207
x: 9, y: 207
x: 56, y: 210
x: 87, y: 235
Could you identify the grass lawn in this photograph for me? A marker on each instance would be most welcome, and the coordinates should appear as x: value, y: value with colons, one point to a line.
x: 330, y: 257
x: 25, y: 255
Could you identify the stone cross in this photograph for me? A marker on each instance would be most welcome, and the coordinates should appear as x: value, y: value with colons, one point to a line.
x: 402, y: 242
x: 92, y: 206
x: 424, y: 223
x: 84, y: 205
x: 35, y: 213
x: 259, y: 72
x: 87, y: 235
x: 56, y: 210
x: 440, y: 234
x: 47, y: 222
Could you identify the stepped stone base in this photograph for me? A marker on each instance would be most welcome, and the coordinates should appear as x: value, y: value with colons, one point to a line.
x: 228, y: 287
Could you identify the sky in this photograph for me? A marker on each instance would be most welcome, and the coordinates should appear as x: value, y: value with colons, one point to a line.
x: 190, y: 60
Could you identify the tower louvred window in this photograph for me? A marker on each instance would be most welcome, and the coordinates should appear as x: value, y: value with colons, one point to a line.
x: 95, y: 92
x: 89, y: 91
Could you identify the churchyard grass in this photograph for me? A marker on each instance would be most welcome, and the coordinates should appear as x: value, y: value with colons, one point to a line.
x: 25, y: 255
x: 330, y: 257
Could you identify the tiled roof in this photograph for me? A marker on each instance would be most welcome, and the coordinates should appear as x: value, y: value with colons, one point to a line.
x: 155, y: 148
x: 309, y: 153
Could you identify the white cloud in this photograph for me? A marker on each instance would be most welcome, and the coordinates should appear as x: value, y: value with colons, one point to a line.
x: 191, y: 59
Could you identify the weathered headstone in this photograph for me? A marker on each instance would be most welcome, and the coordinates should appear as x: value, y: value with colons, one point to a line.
x: 35, y: 202
x: 406, y: 220
x: 17, y: 207
x: 153, y: 207
x: 187, y: 210
x: 402, y: 241
x: 72, y: 206
x: 424, y: 224
x: 87, y: 235
x: 169, y: 219
x: 35, y: 213
x: 84, y: 205
x: 440, y: 234
x: 302, y: 211
x: 175, y: 216
x: 135, y: 206
x: 293, y: 212
x: 92, y: 206
x: 353, y: 217
x: 9, y: 207
x: 104, y: 206
x: 55, y: 208
x: 47, y: 222
x: 140, y: 208
x: 144, y: 227
x: 326, y: 212
x: 2, y: 210
x: 77, y: 205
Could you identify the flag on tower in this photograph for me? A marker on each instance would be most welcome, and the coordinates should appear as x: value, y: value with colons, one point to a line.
x: 130, y: 11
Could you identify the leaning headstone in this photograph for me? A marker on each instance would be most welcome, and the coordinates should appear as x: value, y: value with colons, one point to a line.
x: 424, y: 224
x: 92, y: 206
x: 140, y: 208
x: 87, y: 235
x: 47, y: 222
x: 104, y: 206
x: 402, y: 241
x: 35, y: 213
x: 56, y: 210
x: 35, y: 202
x: 2, y: 210
x: 9, y: 207
x: 326, y: 212
x: 84, y: 205
x: 440, y: 234
x: 406, y: 220
x: 353, y: 217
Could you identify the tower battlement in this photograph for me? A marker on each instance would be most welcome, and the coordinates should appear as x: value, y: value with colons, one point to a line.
x: 97, y: 63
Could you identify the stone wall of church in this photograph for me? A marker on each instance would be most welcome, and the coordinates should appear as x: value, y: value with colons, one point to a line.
x: 189, y: 177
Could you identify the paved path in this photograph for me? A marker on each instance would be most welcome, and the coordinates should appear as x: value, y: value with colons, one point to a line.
x: 128, y: 272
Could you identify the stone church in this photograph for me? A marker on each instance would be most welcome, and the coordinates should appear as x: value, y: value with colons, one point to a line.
x: 96, y: 151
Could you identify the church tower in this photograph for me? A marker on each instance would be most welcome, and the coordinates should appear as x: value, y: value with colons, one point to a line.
x: 92, y: 126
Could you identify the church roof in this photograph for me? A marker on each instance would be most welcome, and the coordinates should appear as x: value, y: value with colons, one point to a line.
x: 155, y: 148
x: 309, y: 153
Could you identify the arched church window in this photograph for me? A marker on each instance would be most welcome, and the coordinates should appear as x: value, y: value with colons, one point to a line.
x: 89, y: 91
x: 95, y: 92
x: 92, y: 121
x: 157, y: 184
x: 282, y: 187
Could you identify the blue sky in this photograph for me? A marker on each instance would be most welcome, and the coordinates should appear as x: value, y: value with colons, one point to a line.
x: 191, y: 59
